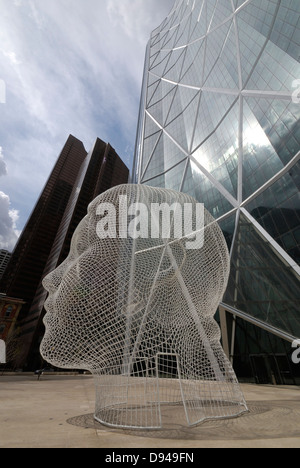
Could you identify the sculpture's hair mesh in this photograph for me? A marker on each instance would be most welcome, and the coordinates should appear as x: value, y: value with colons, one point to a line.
x: 139, y: 315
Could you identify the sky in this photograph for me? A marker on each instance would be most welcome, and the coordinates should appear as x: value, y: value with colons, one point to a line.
x: 66, y: 67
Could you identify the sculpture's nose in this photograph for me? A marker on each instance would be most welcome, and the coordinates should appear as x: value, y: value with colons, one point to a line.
x: 52, y: 281
x: 49, y: 283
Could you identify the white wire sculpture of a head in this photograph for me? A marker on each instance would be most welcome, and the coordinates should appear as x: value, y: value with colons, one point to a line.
x: 134, y: 304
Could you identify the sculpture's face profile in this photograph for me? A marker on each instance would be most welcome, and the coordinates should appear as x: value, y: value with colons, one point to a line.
x: 80, y: 290
x: 111, y: 290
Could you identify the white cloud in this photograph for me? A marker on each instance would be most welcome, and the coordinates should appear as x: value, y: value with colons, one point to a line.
x: 35, y: 14
x: 135, y: 17
x: 70, y: 66
x: 12, y: 56
x: 8, y: 219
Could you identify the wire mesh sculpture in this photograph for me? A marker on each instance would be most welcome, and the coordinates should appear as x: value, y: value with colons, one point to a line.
x: 137, y: 311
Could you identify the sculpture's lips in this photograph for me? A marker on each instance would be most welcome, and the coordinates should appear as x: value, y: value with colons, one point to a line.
x: 48, y: 303
x: 48, y: 306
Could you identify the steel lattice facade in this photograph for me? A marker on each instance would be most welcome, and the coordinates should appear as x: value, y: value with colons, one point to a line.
x: 219, y: 120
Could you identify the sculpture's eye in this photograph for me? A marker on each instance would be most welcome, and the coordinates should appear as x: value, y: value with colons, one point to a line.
x: 81, y: 247
x: 80, y: 240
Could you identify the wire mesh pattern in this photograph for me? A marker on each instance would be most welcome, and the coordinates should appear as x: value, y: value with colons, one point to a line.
x: 219, y: 121
x: 138, y: 312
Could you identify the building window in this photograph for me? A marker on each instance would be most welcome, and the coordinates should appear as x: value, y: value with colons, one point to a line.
x: 8, y: 311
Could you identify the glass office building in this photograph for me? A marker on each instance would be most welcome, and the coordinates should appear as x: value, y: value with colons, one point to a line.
x: 219, y: 120
x: 76, y: 179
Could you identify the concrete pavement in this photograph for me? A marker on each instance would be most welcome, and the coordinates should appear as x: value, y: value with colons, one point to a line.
x: 57, y: 412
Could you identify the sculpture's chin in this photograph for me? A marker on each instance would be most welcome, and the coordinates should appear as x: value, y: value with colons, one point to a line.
x: 58, y: 356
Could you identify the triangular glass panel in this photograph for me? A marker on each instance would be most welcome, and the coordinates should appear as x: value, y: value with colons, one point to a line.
x: 156, y: 164
x: 183, y: 98
x: 169, y: 42
x: 250, y: 44
x: 211, y: 7
x: 184, y: 32
x: 222, y: 12
x: 261, y: 284
x: 186, y: 8
x: 163, y: 91
x: 201, y: 26
x: 228, y: 228
x: 157, y: 44
x: 160, y: 63
x: 225, y: 73
x: 213, y: 108
x: 173, y: 70
x: 219, y: 154
x: 202, y: 189
x: 238, y: 3
x: 277, y: 209
x: 151, y: 90
x: 192, y: 69
x: 150, y: 127
x: 158, y: 39
x: 163, y: 97
x: 181, y: 127
x: 171, y: 179
x: 168, y: 102
x: 180, y: 12
x: 156, y: 111
x: 279, y: 120
x: 160, y: 109
x: 149, y: 146
x: 174, y: 18
x: 153, y: 57
x: 155, y: 39
x: 214, y: 45
x: 152, y: 79
x: 166, y: 155
x: 158, y: 181
x: 164, y: 24
x: 276, y: 70
x: 154, y: 51
x: 197, y: 11
x: 260, y: 160
x: 163, y: 37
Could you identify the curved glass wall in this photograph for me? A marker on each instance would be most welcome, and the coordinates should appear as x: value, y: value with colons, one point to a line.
x: 219, y: 120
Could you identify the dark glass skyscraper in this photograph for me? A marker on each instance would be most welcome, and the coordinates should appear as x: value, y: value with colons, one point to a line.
x: 4, y: 259
x: 77, y: 178
x: 219, y: 120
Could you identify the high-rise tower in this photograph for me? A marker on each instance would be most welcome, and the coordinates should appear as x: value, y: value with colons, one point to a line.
x: 4, y: 259
x: 77, y: 178
x: 219, y: 120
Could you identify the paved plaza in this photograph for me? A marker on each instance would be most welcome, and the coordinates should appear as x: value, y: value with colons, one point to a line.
x: 57, y: 412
